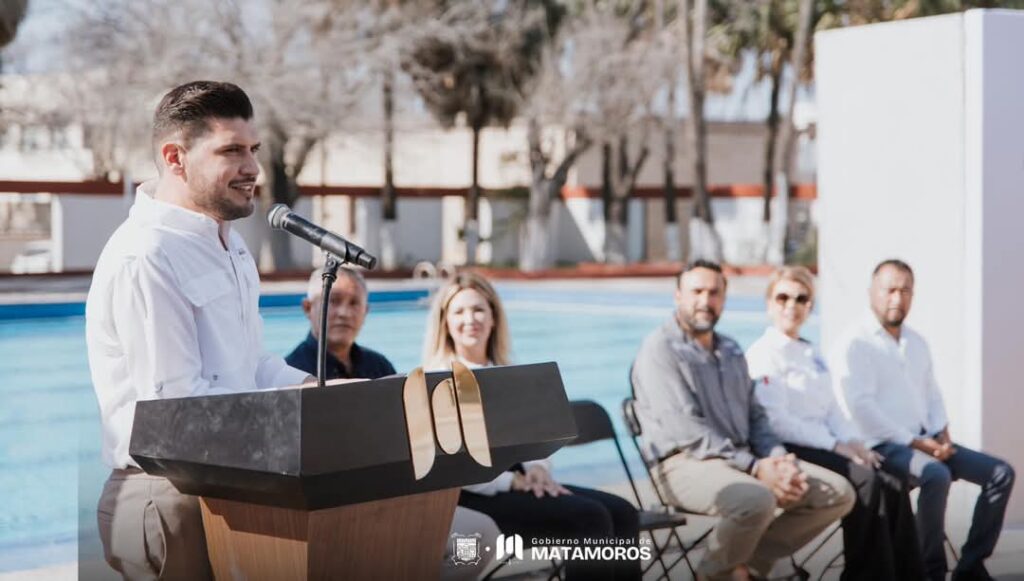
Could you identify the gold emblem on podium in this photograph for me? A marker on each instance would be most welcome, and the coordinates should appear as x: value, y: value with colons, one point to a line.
x: 450, y: 418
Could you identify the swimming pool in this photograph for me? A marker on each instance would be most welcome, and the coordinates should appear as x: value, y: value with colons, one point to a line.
x: 51, y: 473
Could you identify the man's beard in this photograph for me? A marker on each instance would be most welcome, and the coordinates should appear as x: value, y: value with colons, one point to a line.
x: 691, y: 322
x: 895, y: 320
x: 221, y: 204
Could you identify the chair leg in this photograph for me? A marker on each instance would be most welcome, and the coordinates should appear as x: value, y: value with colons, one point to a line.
x: 831, y: 564
x: 952, y: 551
x: 684, y: 549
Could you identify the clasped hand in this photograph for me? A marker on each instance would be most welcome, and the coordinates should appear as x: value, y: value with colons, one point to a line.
x: 859, y: 453
x: 783, y: 477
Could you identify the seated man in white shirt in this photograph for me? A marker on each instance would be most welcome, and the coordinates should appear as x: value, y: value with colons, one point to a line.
x: 883, y: 369
x: 172, y: 312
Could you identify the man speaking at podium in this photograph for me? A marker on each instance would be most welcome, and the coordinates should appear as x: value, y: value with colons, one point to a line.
x: 172, y: 312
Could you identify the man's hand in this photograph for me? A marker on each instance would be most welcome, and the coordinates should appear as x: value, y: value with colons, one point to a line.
x: 538, y: 480
x: 785, y: 479
x: 934, y: 448
x: 860, y: 454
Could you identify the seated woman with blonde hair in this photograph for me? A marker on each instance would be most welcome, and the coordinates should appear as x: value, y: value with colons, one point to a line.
x: 793, y: 384
x: 468, y: 324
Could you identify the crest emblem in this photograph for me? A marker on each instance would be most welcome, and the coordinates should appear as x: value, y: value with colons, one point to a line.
x: 465, y: 549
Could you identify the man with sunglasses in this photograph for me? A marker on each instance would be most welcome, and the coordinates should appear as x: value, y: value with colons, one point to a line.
x: 884, y: 371
x: 717, y: 453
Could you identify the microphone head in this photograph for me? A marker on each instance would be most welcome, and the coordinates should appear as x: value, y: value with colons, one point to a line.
x: 367, y: 261
x: 276, y: 215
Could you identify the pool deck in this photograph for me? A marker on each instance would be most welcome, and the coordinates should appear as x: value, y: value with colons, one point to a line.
x: 73, y: 289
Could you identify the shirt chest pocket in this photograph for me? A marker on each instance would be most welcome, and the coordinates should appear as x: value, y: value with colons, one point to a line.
x: 219, y: 325
x: 206, y: 289
x: 216, y: 302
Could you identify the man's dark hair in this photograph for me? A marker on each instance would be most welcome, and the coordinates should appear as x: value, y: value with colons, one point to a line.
x: 699, y: 263
x: 895, y: 263
x: 187, y: 109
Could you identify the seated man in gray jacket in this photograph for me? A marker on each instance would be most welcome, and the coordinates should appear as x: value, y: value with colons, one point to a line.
x: 717, y: 455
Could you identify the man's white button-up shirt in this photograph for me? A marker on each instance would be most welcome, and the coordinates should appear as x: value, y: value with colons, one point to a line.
x: 888, y: 385
x: 173, y: 313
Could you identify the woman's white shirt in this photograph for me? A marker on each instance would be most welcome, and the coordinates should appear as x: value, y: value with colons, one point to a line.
x: 503, y: 483
x: 793, y: 384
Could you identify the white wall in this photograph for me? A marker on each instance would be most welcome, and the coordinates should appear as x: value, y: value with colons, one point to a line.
x: 994, y: 210
x: 80, y: 227
x: 920, y: 157
x: 417, y: 233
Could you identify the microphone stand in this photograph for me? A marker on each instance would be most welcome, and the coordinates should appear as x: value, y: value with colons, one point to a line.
x: 331, y: 264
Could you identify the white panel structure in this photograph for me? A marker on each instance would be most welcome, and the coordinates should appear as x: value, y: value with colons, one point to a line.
x: 921, y: 157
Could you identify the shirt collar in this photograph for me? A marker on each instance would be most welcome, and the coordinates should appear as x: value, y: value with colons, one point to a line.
x: 874, y: 328
x: 152, y: 211
x: 356, y: 354
x: 777, y: 338
x: 675, y: 332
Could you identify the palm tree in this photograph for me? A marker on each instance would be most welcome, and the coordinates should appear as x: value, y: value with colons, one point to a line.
x: 476, y: 62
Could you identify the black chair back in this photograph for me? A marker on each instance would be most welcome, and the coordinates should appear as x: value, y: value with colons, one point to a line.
x: 593, y: 423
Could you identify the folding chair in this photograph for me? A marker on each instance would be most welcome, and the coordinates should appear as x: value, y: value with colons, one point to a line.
x: 635, y: 431
x: 594, y: 425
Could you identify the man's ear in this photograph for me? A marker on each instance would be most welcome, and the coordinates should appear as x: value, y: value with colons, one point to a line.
x: 307, y: 305
x: 173, y: 157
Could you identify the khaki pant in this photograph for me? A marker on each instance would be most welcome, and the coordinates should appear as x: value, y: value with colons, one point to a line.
x: 150, y: 530
x: 750, y: 532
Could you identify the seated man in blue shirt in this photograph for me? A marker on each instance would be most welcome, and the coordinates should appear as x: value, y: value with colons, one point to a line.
x: 346, y: 312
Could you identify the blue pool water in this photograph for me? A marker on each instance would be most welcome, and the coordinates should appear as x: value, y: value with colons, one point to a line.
x: 51, y: 473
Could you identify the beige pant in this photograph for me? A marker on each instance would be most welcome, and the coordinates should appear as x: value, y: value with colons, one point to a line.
x: 150, y: 530
x: 749, y: 531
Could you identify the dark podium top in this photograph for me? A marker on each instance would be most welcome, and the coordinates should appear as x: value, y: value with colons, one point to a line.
x: 324, y: 447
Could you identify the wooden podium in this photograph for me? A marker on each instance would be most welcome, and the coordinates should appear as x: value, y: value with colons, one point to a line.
x: 320, y: 483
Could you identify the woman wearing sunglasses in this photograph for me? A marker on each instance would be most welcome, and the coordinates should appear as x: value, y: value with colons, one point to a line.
x: 794, y: 386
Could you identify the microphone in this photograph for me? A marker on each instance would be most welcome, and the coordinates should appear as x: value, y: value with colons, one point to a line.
x: 281, y: 217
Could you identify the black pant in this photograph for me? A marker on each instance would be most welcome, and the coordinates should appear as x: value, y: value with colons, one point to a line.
x: 582, y: 514
x: 879, y: 534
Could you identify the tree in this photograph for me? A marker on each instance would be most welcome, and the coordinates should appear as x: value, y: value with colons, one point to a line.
x: 476, y: 61
x: 669, y: 126
x: 556, y: 133
x: 395, y: 23
x: 621, y: 50
x: 692, y: 22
